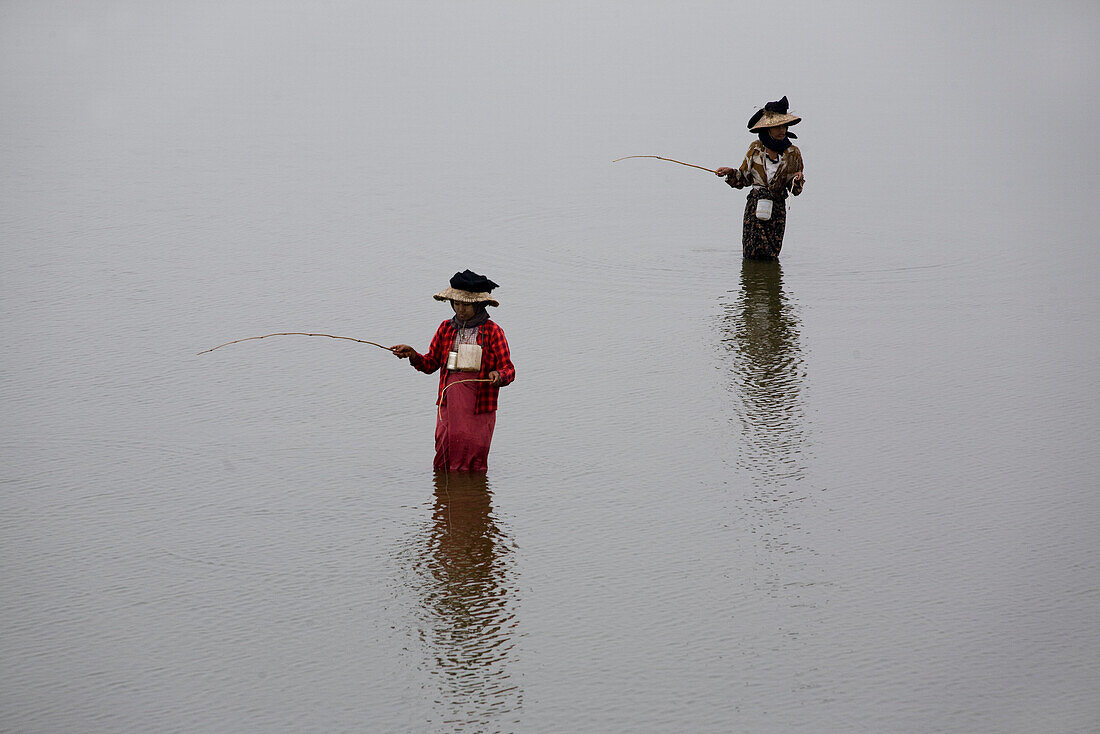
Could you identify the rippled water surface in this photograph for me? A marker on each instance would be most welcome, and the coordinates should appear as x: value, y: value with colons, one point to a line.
x: 851, y: 491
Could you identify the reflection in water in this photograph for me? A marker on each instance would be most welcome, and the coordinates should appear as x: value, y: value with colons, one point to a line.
x: 761, y: 332
x: 468, y: 626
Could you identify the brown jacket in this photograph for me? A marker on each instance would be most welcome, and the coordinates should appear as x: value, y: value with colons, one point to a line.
x: 752, y: 172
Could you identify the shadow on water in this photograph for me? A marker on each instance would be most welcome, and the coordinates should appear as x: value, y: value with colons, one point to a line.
x: 466, y: 602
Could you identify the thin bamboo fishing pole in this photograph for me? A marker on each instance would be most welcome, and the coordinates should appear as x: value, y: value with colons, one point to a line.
x: 295, y: 333
x: 670, y: 160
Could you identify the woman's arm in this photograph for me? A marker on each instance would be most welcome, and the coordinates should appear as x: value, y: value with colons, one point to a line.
x: 499, y: 359
x: 797, y: 178
x: 733, y: 177
x: 431, y: 361
x: 741, y: 177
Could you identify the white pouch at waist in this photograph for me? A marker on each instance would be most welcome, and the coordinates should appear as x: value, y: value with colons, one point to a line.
x: 468, y: 358
x: 764, y: 209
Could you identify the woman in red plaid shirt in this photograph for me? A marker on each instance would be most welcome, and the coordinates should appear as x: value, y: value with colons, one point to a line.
x: 474, y: 362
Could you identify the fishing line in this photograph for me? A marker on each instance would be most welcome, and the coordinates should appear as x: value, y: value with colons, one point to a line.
x: 295, y: 333
x: 670, y: 160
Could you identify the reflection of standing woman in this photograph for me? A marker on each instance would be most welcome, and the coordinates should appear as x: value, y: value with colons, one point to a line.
x: 463, y: 570
x: 768, y: 374
x: 772, y: 167
x: 472, y: 353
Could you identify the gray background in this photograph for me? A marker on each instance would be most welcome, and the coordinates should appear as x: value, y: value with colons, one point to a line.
x: 854, y: 493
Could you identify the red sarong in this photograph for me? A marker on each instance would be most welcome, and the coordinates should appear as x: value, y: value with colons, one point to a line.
x: 462, y: 437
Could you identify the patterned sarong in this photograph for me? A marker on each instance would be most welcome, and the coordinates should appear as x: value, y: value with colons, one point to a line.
x: 763, y: 239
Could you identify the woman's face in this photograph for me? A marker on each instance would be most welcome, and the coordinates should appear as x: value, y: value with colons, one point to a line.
x: 778, y: 132
x: 464, y: 311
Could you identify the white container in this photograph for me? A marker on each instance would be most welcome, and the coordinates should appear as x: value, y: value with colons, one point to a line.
x: 764, y: 209
x: 467, y: 358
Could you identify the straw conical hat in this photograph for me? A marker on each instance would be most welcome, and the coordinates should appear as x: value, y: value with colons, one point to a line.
x: 771, y: 115
x: 469, y: 287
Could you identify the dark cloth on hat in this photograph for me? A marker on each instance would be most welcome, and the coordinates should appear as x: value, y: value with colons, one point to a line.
x: 779, y: 106
x: 468, y: 280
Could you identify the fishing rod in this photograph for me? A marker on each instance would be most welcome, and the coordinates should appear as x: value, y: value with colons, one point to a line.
x: 295, y: 333
x: 670, y: 160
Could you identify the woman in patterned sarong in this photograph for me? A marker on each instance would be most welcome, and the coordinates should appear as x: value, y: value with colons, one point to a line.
x: 772, y: 168
x: 467, y: 398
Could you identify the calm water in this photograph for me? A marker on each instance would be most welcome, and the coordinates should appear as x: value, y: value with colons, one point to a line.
x: 854, y: 491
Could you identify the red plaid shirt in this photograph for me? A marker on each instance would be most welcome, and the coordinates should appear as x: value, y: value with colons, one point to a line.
x: 494, y: 357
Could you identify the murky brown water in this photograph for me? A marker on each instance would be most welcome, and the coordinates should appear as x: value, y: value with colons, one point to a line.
x: 853, y: 491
